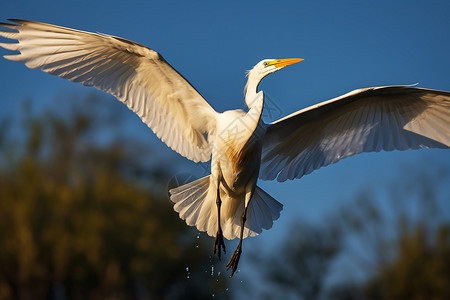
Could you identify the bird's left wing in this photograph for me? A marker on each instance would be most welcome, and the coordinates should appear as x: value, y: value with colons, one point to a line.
x: 136, y: 75
x: 365, y: 120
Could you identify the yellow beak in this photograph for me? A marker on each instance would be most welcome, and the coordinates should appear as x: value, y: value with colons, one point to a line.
x: 278, y: 63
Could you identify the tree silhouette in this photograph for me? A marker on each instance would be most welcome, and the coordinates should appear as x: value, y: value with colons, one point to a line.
x: 393, y: 246
x: 78, y: 221
x: 405, y: 239
x: 298, y: 269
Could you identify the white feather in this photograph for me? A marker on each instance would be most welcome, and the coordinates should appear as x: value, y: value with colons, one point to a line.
x: 365, y: 120
x: 198, y: 208
x: 136, y: 75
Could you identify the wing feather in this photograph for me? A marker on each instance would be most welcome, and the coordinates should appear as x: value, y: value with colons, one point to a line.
x: 136, y: 75
x: 365, y: 120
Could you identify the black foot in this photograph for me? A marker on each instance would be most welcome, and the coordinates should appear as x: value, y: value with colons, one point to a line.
x: 219, y: 243
x: 234, y: 260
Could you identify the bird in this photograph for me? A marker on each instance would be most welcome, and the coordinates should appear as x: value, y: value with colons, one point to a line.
x: 241, y: 147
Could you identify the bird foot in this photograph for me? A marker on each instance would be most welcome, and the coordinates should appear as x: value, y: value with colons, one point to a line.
x: 219, y: 243
x: 234, y: 260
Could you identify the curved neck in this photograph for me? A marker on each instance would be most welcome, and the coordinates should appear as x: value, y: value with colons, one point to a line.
x: 255, y: 103
x: 251, y: 90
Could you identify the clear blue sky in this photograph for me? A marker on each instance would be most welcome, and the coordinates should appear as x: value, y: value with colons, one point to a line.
x: 345, y: 44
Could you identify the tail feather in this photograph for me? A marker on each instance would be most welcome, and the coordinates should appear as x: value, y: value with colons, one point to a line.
x: 197, y: 206
x: 189, y: 199
x: 262, y: 211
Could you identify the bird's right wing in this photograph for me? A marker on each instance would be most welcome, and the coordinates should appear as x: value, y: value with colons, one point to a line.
x: 365, y: 120
x: 136, y: 75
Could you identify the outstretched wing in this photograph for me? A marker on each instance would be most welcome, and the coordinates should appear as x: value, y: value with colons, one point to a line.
x: 365, y: 120
x: 136, y: 75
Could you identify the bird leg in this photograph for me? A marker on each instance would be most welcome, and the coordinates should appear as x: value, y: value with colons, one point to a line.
x: 219, y: 243
x: 234, y: 260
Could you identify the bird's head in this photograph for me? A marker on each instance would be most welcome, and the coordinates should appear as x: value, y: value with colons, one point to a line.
x: 264, y: 68
x: 267, y: 66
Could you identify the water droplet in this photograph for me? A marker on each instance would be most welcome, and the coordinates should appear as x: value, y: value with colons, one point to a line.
x: 212, y: 271
x: 187, y: 269
x: 196, y: 246
x: 188, y: 277
x: 226, y: 290
x: 218, y: 273
x: 213, y: 295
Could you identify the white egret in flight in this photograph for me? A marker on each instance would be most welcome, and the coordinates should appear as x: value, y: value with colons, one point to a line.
x: 242, y: 148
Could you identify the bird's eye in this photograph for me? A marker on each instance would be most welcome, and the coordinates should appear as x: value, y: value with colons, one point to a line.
x: 265, y: 64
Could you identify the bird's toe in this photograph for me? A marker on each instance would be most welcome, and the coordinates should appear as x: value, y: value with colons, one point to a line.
x: 219, y: 244
x: 234, y: 260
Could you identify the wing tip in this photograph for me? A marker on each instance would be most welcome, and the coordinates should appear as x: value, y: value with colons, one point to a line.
x: 8, y: 25
x: 10, y: 46
x: 18, y: 21
x: 12, y: 26
x: 12, y: 57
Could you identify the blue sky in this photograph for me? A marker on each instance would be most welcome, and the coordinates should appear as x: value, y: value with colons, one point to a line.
x: 345, y: 44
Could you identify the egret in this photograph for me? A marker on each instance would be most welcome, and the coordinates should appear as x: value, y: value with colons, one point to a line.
x: 242, y: 148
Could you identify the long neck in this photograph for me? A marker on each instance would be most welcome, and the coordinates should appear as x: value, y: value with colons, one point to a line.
x: 255, y: 103
x: 251, y: 88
